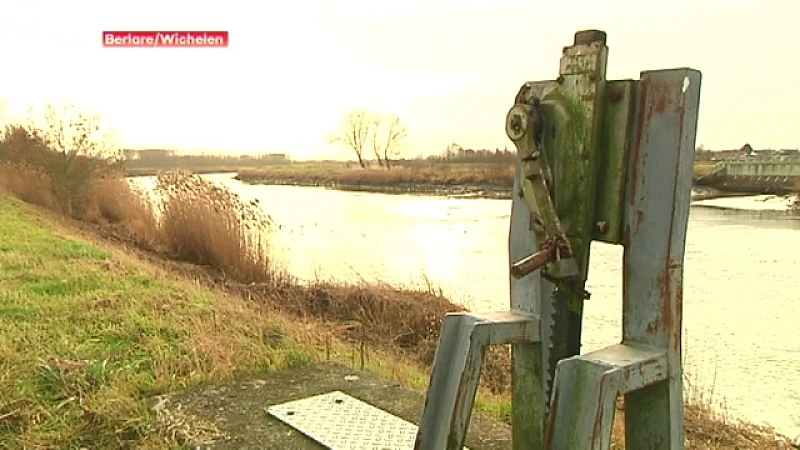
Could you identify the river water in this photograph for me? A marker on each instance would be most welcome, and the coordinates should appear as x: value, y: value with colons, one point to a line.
x: 741, y: 294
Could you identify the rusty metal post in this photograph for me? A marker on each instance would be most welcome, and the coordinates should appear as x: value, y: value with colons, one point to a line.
x: 656, y: 217
x: 597, y: 160
x: 646, y: 365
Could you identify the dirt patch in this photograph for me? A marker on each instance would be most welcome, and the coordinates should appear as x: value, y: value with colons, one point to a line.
x: 233, y: 415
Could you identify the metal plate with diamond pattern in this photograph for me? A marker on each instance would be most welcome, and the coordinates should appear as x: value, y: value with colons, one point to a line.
x: 341, y: 422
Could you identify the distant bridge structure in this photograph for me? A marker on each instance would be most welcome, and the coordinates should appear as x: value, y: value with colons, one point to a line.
x: 773, y: 175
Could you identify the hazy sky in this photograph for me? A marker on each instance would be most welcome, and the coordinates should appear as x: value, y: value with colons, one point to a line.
x: 449, y: 68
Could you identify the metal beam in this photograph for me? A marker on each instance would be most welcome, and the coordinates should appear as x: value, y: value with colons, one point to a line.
x: 656, y: 217
x: 457, y: 369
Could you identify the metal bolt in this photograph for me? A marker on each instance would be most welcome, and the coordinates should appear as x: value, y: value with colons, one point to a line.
x: 615, y: 95
x: 516, y: 123
x: 602, y: 226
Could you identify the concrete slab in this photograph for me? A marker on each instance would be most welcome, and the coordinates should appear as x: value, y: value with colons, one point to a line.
x: 233, y: 415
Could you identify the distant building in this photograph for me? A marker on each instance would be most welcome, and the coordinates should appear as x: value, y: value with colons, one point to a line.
x: 154, y: 154
x: 275, y: 158
x: 747, y: 150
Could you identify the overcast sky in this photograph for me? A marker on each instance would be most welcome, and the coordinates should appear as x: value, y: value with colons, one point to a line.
x: 449, y: 68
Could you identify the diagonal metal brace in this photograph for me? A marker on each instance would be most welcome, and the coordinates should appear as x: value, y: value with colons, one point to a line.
x: 457, y: 369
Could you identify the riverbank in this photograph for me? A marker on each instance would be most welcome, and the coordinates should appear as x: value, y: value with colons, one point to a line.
x: 472, y: 180
x: 763, y: 203
x: 490, y: 181
x: 153, y: 171
x: 97, y: 327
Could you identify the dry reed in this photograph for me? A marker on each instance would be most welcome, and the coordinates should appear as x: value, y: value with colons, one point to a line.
x: 206, y: 224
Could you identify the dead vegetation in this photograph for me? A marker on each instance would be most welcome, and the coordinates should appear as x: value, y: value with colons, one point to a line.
x: 435, y: 174
x: 202, y: 223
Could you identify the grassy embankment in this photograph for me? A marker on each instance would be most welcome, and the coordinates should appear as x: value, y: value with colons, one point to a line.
x: 93, y: 330
x: 89, y: 333
x: 109, y: 331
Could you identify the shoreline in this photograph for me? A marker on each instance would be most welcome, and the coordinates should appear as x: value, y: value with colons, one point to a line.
x: 435, y: 190
x: 147, y: 172
x: 471, y: 191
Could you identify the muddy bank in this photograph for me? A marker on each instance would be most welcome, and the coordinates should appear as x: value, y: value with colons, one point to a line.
x: 447, y: 190
x: 153, y: 171
x: 488, y: 191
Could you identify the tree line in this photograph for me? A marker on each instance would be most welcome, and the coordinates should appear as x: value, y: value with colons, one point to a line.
x: 158, y: 158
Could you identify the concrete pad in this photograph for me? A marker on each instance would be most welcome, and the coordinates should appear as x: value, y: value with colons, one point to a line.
x: 233, y: 415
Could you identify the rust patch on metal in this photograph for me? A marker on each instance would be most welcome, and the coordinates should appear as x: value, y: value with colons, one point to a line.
x: 615, y: 94
x: 665, y: 288
x: 639, y: 220
x: 551, y: 418
x: 597, y: 427
x: 641, y: 118
x: 647, y: 364
x: 661, y: 100
x: 472, y: 367
x: 522, y: 95
x: 678, y: 321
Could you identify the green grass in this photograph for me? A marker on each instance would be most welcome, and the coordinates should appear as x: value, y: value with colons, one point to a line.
x: 88, y: 335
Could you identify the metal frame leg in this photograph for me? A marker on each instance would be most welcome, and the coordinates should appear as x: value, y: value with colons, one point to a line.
x: 457, y: 369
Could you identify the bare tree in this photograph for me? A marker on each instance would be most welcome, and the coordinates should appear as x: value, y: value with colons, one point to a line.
x: 388, y: 133
x: 355, y: 132
x: 79, y: 150
x: 377, y: 147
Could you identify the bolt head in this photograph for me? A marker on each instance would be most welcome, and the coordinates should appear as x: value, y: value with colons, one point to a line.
x: 516, y: 122
x: 615, y: 94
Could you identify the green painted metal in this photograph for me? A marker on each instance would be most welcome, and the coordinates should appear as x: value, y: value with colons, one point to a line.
x: 613, y: 162
x: 527, y: 359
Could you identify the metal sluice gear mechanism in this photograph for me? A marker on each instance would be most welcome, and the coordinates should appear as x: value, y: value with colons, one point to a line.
x: 597, y: 160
